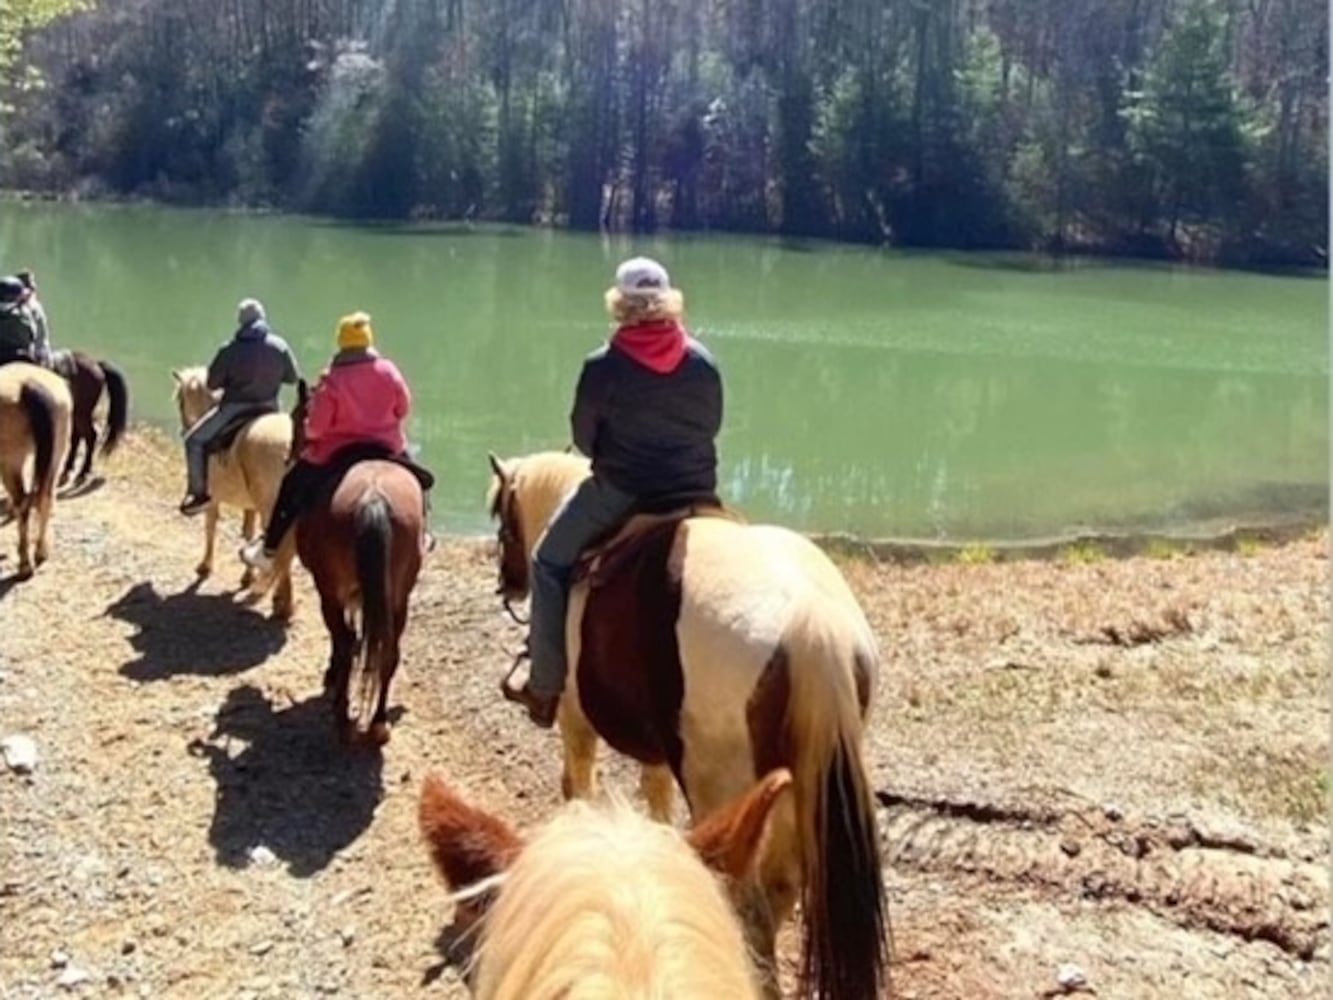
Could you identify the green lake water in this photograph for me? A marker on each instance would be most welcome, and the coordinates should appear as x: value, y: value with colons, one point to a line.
x: 875, y: 392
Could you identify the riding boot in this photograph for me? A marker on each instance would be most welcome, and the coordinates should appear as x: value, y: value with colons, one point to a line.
x: 542, y: 708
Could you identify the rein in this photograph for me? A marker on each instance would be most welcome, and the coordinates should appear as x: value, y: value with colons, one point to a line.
x: 518, y: 619
x: 504, y: 511
x: 488, y: 884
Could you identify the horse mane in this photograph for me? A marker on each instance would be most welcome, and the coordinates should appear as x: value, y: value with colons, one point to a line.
x: 604, y: 903
x: 191, y: 384
x: 194, y: 377
x: 540, y: 481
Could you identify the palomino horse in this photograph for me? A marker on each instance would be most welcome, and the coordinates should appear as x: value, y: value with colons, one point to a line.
x: 34, y: 424
x: 362, y: 545
x: 245, y: 474
x: 715, y: 651
x: 601, y: 902
x: 88, y: 378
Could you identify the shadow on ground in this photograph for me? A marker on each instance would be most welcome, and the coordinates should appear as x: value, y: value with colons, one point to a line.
x: 285, y: 784
x: 192, y: 633
x: 86, y: 488
x: 9, y: 582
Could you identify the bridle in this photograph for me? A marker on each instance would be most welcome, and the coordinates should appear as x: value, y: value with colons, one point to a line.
x: 509, y: 539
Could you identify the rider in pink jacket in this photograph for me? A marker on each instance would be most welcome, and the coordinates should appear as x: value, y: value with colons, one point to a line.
x: 356, y: 411
x: 364, y: 402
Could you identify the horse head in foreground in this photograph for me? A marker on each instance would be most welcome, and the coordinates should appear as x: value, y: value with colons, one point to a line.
x: 601, y: 902
x: 35, y: 410
x: 88, y: 379
x: 714, y: 651
x: 361, y: 542
x: 245, y: 471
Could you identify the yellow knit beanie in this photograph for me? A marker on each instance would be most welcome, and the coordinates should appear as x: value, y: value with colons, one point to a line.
x: 355, y: 332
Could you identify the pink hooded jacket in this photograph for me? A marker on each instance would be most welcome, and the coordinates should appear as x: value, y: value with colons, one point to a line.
x: 360, y: 400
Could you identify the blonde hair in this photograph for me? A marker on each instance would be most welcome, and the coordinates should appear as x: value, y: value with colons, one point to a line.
x: 603, y: 903
x: 627, y: 310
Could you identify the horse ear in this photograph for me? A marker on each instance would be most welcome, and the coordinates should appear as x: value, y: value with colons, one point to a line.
x: 497, y: 465
x: 302, y: 390
x: 729, y: 840
x: 466, y: 844
x: 178, y: 376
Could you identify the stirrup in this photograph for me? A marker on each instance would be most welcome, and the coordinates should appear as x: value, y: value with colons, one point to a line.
x: 510, y: 692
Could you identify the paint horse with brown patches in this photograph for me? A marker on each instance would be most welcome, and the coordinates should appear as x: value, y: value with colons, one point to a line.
x: 601, y: 902
x: 35, y: 411
x: 713, y: 651
x: 88, y: 380
x: 361, y: 542
x: 245, y: 472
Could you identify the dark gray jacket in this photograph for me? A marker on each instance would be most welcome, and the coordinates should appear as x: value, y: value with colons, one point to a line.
x: 650, y: 434
x: 253, y: 366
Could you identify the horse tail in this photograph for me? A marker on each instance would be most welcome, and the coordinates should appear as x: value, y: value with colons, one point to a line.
x: 374, y: 537
x: 118, y: 393
x: 844, y: 955
x: 40, y: 407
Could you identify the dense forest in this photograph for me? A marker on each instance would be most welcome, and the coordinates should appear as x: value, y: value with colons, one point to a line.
x: 1182, y: 128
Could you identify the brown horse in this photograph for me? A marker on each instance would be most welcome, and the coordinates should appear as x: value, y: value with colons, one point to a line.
x: 362, y: 545
x: 88, y: 378
x: 34, y: 424
x: 712, y: 651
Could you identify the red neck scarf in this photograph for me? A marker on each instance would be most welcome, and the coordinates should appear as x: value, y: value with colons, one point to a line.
x: 658, y: 345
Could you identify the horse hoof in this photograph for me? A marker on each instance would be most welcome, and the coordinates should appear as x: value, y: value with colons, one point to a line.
x: 25, y: 571
x: 203, y: 570
x: 379, y: 734
x: 40, y: 556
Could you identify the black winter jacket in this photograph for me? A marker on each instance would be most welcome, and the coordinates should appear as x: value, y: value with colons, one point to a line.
x: 650, y: 434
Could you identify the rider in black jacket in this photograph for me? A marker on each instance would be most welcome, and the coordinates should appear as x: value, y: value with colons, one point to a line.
x: 647, y: 411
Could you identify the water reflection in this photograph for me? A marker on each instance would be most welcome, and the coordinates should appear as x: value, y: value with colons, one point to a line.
x: 878, y: 393
x: 933, y: 445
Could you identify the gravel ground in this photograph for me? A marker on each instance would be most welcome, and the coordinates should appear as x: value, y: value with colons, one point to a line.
x: 1110, y: 769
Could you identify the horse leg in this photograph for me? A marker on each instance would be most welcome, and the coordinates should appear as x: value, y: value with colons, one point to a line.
x: 205, y: 566
x: 87, y: 432
x: 379, y: 727
x: 281, y: 576
x: 90, y: 445
x: 343, y: 648
x: 19, y: 505
x: 70, y: 456
x: 41, y: 503
x: 579, y: 779
x: 283, y: 600
x: 389, y: 656
x: 248, y: 518
x: 657, y: 785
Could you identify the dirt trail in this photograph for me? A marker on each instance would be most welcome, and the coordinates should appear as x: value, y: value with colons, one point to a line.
x: 1119, y: 764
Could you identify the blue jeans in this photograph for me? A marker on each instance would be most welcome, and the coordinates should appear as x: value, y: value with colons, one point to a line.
x: 592, y: 509
x: 199, y: 442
